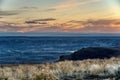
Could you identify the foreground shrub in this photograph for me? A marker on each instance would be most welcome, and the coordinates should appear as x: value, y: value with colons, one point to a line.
x: 46, y: 76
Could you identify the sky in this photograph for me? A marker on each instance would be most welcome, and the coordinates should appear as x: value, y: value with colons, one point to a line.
x: 65, y: 16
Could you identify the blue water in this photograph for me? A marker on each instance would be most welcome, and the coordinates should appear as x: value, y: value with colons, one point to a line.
x: 15, y: 50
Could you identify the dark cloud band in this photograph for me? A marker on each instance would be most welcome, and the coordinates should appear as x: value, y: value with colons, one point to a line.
x: 40, y: 21
x: 46, y: 19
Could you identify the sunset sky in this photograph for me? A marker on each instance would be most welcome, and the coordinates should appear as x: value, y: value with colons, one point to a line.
x: 81, y: 16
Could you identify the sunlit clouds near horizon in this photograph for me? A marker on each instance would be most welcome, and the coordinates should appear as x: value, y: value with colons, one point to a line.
x: 81, y: 16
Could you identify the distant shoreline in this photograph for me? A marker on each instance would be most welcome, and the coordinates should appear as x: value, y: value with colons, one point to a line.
x: 49, y: 34
x: 59, y: 36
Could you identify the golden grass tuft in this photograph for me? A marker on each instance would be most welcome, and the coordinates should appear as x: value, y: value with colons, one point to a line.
x: 45, y: 76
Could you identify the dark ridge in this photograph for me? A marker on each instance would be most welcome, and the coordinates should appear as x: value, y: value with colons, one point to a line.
x: 92, y: 53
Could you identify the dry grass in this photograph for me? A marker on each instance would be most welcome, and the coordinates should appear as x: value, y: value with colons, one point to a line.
x: 67, y: 70
x: 43, y: 76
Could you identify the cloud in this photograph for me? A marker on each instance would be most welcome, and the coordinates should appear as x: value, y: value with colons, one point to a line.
x: 30, y: 22
x: 103, y: 25
x: 75, y: 21
x: 40, y: 21
x: 49, y: 29
x: 46, y: 19
x: 8, y: 13
x: 102, y: 22
x: 16, y: 27
x: 35, y: 22
x: 13, y: 27
x: 28, y: 7
x: 117, y: 23
x: 88, y: 26
x: 51, y: 9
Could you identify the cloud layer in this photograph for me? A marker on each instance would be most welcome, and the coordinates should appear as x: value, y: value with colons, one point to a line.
x: 60, y: 16
x: 89, y: 26
x: 8, y: 13
x: 100, y: 26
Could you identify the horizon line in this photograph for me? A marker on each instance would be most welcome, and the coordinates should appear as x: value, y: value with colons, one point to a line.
x: 55, y: 34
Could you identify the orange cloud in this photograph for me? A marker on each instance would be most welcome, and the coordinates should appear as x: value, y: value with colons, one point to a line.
x: 97, y: 26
